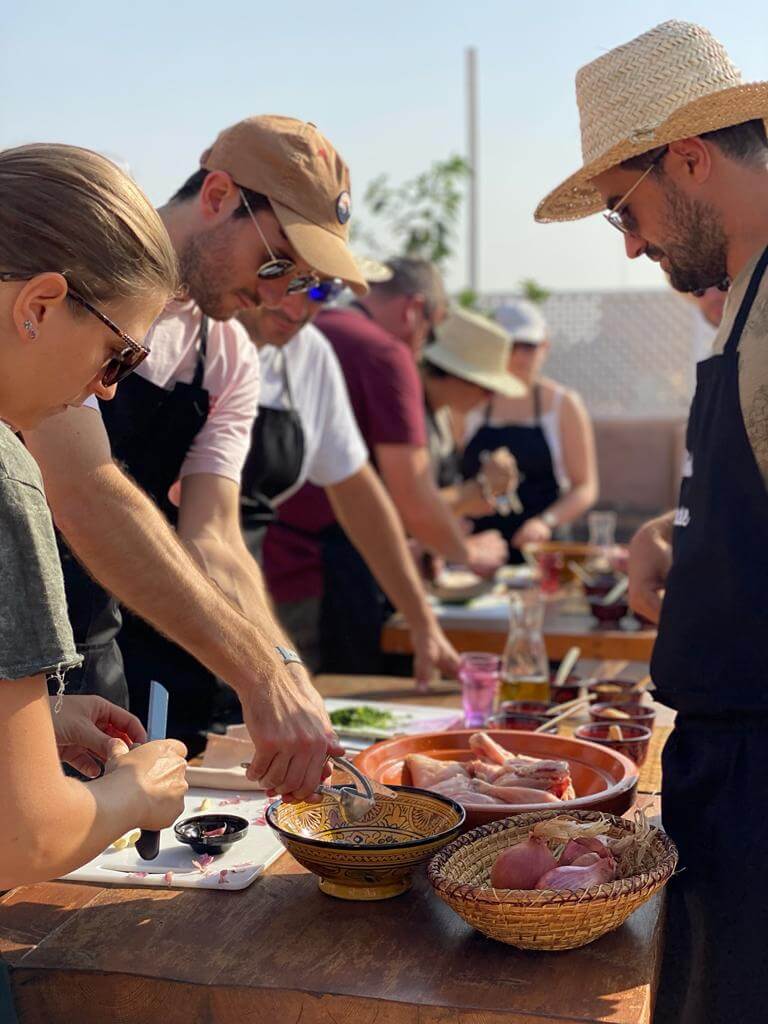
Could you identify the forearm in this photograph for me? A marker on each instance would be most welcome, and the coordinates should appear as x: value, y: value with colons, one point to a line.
x: 233, y: 569
x: 466, y: 499
x: 574, y: 503
x: 365, y: 511
x: 431, y: 522
x: 63, y: 826
x: 129, y: 547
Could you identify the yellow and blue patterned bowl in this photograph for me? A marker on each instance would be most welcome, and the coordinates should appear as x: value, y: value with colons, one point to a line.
x: 370, y: 859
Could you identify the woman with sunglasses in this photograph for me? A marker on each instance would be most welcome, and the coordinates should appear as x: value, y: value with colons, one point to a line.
x: 81, y: 252
x: 548, y: 432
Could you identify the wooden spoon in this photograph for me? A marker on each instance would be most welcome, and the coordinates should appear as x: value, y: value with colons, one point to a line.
x: 577, y: 706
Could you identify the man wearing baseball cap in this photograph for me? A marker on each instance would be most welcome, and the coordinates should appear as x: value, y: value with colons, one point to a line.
x: 675, y: 152
x: 265, y: 217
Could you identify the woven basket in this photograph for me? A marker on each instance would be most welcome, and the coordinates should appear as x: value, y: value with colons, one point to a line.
x: 543, y: 918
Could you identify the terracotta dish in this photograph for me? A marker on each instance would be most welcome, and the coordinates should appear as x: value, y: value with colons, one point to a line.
x: 603, y: 779
x: 370, y: 859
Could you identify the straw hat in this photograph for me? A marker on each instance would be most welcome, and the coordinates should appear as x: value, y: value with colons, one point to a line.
x: 476, y: 349
x: 671, y: 83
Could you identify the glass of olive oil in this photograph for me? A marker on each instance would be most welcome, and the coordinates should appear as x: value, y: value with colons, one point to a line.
x: 525, y: 666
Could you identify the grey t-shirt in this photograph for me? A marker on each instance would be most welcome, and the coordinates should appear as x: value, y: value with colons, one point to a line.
x: 35, y: 634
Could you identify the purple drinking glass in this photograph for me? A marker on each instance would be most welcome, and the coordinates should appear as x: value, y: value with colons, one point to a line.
x: 479, y: 677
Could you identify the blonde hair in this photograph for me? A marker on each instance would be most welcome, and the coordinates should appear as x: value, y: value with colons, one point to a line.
x: 71, y: 210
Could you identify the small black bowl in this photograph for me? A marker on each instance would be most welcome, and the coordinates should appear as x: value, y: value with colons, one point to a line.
x: 192, y: 832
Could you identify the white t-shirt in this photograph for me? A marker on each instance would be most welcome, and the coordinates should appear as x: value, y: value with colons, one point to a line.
x: 231, y: 378
x: 333, y: 446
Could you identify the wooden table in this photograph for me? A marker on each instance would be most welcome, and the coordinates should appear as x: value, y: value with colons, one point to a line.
x: 280, y: 951
x: 473, y: 630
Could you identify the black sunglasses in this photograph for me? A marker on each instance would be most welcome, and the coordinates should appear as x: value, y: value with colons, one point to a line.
x: 120, y: 365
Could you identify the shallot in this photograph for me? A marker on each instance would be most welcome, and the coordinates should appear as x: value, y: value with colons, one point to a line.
x: 578, y: 876
x: 584, y: 844
x: 520, y: 866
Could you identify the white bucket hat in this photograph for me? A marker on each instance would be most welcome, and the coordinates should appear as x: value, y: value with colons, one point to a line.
x: 671, y: 83
x: 476, y: 349
x: 523, y: 321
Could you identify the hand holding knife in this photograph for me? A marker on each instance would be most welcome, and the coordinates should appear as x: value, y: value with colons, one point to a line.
x: 148, y: 844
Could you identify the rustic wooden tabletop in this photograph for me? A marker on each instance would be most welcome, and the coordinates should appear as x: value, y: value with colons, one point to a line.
x: 282, y: 951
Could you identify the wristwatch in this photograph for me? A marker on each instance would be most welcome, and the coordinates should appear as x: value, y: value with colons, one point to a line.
x: 289, y: 656
x: 550, y: 519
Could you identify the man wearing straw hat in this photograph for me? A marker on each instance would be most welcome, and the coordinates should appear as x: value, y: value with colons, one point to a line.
x: 675, y: 151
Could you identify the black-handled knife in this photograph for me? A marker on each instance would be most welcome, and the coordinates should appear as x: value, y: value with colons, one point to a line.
x: 148, y: 844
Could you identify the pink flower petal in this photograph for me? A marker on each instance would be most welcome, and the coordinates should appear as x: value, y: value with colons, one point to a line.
x: 230, y: 800
x: 138, y: 874
x: 211, y: 833
x: 223, y: 877
x: 168, y: 877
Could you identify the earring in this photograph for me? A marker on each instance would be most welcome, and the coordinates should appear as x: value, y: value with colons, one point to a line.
x: 30, y: 329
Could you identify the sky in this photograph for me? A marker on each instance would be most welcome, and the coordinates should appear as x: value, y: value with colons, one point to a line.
x: 151, y: 84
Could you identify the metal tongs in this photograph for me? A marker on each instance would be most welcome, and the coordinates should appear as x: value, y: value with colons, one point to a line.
x: 355, y: 803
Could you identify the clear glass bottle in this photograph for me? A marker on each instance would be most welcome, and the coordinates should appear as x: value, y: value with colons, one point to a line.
x: 524, y: 665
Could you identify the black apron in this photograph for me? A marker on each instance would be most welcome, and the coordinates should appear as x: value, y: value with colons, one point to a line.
x: 150, y: 429
x: 272, y: 466
x: 710, y: 662
x: 539, y: 487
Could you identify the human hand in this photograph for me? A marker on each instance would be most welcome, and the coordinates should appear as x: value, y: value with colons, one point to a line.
x: 486, y: 552
x: 500, y: 471
x: 432, y: 650
x: 533, y: 531
x: 650, y: 559
x: 291, y: 732
x: 154, y: 776
x: 85, y: 728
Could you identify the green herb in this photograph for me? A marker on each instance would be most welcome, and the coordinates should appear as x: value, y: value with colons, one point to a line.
x: 362, y: 717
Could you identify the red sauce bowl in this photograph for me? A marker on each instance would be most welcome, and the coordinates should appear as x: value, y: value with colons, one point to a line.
x: 634, y: 743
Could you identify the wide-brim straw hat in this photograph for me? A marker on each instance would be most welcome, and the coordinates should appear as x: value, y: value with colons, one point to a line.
x: 476, y: 349
x: 671, y: 83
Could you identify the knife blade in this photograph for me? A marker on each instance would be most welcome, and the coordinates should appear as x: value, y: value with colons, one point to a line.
x: 148, y: 843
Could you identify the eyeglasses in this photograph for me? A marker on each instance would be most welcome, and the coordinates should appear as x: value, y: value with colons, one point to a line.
x: 617, y: 215
x: 276, y: 267
x: 119, y: 365
x: 325, y: 290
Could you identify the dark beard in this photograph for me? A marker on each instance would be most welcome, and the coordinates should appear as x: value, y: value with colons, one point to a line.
x: 205, y: 271
x: 698, y: 250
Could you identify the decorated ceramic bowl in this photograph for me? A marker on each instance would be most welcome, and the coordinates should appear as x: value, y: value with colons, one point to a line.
x: 374, y: 858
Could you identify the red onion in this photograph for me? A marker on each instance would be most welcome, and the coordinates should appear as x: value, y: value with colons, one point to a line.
x: 520, y: 866
x: 584, y: 844
x: 578, y: 876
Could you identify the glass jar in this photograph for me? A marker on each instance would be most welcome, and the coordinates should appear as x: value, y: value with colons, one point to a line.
x: 524, y: 664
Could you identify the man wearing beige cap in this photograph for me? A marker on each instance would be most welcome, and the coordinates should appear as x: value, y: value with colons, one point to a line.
x: 265, y: 217
x: 675, y: 150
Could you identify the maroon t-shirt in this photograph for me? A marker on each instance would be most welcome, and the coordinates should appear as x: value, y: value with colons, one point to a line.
x: 386, y: 393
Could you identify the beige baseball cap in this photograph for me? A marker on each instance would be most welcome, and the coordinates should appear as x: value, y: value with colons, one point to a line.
x: 306, y: 182
x: 474, y: 348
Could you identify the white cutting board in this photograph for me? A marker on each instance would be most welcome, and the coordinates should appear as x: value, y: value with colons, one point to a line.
x: 241, y: 863
x: 410, y: 719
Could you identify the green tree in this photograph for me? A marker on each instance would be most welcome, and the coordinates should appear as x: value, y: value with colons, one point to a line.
x: 533, y: 291
x: 422, y: 213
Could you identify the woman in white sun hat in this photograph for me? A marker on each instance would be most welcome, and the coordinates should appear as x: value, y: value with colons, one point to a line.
x: 464, y: 367
x: 547, y: 430
x: 675, y: 151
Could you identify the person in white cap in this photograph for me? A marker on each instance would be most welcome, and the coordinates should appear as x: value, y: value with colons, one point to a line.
x: 675, y: 152
x: 465, y: 366
x: 548, y: 431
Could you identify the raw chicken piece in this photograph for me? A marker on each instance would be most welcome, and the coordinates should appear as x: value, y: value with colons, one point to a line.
x: 426, y: 771
x: 482, y: 744
x: 514, y: 794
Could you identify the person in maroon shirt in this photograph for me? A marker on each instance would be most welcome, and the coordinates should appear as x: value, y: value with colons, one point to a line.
x: 323, y: 590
